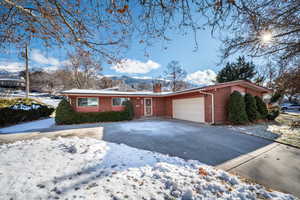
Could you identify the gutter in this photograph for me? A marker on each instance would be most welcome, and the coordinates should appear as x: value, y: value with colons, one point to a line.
x: 212, y: 105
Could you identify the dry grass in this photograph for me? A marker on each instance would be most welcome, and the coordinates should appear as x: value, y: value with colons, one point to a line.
x: 280, y: 130
x: 286, y: 118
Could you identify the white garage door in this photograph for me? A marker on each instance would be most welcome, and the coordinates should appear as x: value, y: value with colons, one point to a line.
x: 191, y: 109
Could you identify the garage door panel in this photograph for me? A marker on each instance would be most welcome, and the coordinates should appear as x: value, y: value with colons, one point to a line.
x: 191, y: 109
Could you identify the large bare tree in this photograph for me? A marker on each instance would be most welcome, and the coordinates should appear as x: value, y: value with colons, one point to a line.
x: 288, y: 83
x: 83, y: 68
x: 175, y: 74
x: 255, y: 27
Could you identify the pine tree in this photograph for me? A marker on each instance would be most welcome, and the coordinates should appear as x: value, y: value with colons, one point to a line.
x: 239, y: 70
x: 251, y: 108
x: 64, y: 113
x: 261, y: 107
x: 237, y: 109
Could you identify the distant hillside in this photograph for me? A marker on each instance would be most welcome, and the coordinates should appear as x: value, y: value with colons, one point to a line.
x: 143, y: 83
x: 7, y: 74
x: 131, y: 80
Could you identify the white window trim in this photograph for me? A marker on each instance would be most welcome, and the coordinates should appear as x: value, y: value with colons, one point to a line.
x: 87, y: 106
x: 146, y: 105
x: 112, y: 102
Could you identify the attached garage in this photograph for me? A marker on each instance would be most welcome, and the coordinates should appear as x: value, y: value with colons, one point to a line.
x: 191, y: 109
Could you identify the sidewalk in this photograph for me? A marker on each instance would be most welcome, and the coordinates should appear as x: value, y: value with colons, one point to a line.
x: 276, y: 166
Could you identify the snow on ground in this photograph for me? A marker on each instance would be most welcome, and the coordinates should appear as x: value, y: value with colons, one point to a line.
x: 73, y: 168
x: 48, y: 101
x: 293, y: 112
x: 261, y: 130
x: 280, y: 133
x: 37, y: 124
x: 43, y: 97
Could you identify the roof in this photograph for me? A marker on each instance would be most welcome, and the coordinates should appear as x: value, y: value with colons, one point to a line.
x: 150, y: 93
x: 12, y: 79
x: 112, y: 92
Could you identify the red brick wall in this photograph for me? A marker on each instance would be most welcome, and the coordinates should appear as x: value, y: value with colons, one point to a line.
x: 246, y: 90
x: 138, y: 106
x: 168, y: 106
x: 221, y: 98
x: 105, y: 104
x: 240, y: 89
x: 159, y: 106
x: 253, y: 92
x: 208, y: 108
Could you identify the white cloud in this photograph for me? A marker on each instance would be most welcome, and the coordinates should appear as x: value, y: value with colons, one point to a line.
x: 38, y: 57
x: 135, y: 67
x: 142, y: 77
x: 50, y: 68
x: 12, y: 66
x: 50, y: 63
x: 205, y: 77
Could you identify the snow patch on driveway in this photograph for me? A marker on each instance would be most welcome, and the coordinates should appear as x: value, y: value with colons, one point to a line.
x: 154, y: 128
x: 38, y: 124
x: 73, y: 168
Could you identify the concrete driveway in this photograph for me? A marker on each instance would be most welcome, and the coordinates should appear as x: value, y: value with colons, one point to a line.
x: 212, y: 145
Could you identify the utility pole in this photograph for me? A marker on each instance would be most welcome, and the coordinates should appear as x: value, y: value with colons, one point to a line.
x: 26, y: 71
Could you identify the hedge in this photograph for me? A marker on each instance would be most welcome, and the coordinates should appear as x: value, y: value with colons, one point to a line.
x: 251, y: 108
x: 237, y: 109
x: 22, y: 112
x: 261, y: 107
x: 66, y: 115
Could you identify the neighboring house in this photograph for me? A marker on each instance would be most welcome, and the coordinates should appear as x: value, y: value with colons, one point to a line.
x: 14, y: 83
x: 202, y: 104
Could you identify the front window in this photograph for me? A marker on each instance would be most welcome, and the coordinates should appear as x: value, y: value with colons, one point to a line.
x: 119, y: 101
x: 87, y: 102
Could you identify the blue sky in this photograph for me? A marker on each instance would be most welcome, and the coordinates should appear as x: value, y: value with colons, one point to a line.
x: 201, y: 65
x: 181, y: 48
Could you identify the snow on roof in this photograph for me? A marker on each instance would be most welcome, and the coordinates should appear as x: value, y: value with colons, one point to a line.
x: 151, y: 93
x: 111, y: 92
x: 12, y: 79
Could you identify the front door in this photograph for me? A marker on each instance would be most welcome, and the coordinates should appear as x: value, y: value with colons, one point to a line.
x: 148, y: 106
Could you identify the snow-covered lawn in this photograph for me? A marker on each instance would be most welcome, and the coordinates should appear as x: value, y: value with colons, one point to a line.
x: 48, y: 101
x: 279, y: 131
x: 42, y: 97
x: 37, y: 124
x: 73, y: 168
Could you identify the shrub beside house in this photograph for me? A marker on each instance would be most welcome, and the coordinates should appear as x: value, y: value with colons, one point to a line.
x: 13, y: 111
x: 261, y: 107
x: 251, y: 108
x: 241, y: 109
x: 66, y: 115
x: 237, y: 109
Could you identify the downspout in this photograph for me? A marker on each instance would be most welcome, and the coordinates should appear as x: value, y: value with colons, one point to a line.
x: 212, y: 105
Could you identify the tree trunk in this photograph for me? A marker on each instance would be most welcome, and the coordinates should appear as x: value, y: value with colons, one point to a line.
x: 26, y: 71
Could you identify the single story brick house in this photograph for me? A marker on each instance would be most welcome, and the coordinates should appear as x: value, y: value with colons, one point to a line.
x: 201, y: 104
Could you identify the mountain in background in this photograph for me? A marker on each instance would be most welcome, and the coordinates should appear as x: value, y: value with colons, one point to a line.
x: 7, y: 74
x: 144, y: 83
x: 131, y: 80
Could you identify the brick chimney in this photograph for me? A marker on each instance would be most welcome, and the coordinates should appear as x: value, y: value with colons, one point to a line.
x: 157, y: 87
